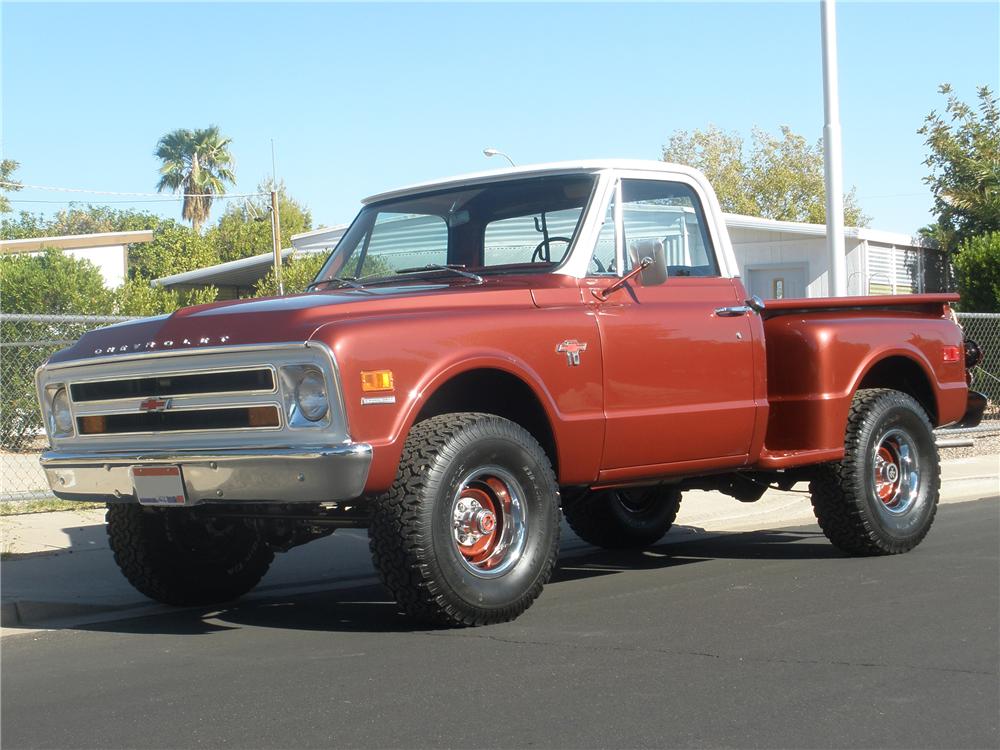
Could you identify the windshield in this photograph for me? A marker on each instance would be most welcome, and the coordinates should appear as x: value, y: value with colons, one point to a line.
x: 502, y: 226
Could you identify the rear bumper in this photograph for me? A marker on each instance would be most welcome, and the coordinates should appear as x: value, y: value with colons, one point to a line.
x: 974, y: 410
x: 287, y: 475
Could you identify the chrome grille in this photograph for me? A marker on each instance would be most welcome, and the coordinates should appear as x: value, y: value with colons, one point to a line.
x: 231, y: 396
x: 199, y: 383
x: 187, y: 420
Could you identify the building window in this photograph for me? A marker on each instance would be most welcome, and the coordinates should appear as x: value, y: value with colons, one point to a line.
x: 894, y: 270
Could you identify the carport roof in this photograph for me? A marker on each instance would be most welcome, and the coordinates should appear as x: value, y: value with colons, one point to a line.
x: 75, y: 241
x: 246, y: 272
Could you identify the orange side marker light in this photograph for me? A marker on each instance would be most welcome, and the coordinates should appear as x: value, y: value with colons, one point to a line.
x: 376, y: 380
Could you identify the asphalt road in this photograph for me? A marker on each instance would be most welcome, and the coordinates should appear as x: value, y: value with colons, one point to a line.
x: 767, y: 639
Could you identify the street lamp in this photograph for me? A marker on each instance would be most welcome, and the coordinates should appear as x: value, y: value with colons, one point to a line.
x: 495, y: 152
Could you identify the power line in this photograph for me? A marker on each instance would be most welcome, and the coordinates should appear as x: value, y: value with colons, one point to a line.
x: 181, y: 196
x: 103, y: 203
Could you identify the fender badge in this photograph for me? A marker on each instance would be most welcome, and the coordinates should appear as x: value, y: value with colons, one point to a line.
x: 155, y: 404
x: 572, y: 348
x: 370, y: 400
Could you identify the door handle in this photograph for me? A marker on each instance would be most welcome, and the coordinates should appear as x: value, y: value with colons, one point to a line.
x: 732, y: 312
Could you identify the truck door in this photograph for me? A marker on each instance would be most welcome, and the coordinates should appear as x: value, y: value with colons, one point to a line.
x: 678, y: 368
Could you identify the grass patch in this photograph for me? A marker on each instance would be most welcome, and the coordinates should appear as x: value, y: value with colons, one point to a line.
x: 45, y: 505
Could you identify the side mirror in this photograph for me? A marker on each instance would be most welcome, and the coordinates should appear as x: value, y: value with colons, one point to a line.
x: 655, y: 272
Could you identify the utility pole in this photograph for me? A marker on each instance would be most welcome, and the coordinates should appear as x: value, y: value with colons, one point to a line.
x: 832, y: 154
x: 276, y: 240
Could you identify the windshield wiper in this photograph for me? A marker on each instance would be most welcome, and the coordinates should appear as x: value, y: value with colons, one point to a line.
x: 439, y: 267
x: 340, y: 281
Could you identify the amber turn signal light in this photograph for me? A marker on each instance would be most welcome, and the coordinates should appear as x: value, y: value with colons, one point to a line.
x: 376, y: 380
x: 262, y: 416
x: 93, y: 425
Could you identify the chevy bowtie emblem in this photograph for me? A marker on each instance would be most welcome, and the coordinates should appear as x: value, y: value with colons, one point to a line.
x: 155, y: 404
x: 572, y: 348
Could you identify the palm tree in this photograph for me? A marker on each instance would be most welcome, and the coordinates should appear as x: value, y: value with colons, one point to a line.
x: 199, y: 163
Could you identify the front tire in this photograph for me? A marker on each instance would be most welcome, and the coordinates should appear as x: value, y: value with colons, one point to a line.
x: 626, y: 518
x: 882, y: 497
x: 183, y: 557
x: 469, y: 532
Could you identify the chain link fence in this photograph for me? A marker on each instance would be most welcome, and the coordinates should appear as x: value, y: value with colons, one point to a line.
x: 27, y: 340
x: 984, y: 329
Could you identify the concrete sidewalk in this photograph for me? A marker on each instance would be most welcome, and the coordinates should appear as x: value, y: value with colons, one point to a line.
x: 58, y: 570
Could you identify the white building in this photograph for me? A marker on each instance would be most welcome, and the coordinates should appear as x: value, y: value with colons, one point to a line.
x: 776, y: 259
x: 106, y: 250
x: 789, y: 259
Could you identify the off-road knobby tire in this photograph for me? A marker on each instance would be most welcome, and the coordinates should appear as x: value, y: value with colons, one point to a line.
x: 843, y: 497
x: 411, y: 528
x: 602, y: 519
x: 150, y: 548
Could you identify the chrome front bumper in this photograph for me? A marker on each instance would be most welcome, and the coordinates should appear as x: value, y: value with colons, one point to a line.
x: 286, y: 475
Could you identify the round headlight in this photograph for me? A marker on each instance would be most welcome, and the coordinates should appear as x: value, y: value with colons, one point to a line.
x: 62, y: 417
x: 310, y: 395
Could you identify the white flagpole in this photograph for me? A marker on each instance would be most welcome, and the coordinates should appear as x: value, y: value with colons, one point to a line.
x: 832, y: 154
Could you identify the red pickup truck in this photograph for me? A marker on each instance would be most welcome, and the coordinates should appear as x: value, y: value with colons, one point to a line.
x: 479, y: 354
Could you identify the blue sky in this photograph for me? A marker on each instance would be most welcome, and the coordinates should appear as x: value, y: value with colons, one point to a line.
x: 362, y: 98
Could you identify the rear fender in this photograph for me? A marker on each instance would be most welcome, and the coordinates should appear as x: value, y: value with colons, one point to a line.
x: 816, y: 364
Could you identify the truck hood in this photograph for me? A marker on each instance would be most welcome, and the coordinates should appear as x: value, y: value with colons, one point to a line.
x: 281, y: 319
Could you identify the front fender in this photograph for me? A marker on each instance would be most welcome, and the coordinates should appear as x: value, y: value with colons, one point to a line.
x: 425, y: 352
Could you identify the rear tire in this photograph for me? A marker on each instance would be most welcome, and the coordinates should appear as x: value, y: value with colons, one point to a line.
x: 624, y: 519
x: 183, y: 557
x: 469, y: 532
x: 882, y: 497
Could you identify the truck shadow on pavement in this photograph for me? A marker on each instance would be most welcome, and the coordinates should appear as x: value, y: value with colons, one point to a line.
x: 350, y: 607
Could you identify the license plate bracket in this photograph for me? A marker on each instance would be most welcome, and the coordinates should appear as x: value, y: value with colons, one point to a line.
x: 158, y: 485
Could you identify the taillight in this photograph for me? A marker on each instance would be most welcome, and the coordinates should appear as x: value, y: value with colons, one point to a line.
x: 951, y: 353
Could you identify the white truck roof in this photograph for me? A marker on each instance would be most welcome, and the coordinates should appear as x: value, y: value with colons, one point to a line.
x: 535, y: 170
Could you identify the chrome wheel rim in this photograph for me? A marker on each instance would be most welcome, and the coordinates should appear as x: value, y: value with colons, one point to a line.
x: 488, y: 521
x: 895, y: 472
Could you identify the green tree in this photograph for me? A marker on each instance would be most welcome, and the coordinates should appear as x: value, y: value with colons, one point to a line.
x: 24, y: 226
x: 52, y: 283
x: 964, y: 160
x: 197, y: 162
x: 977, y: 269
x: 7, y: 169
x: 138, y: 298
x: 776, y: 178
x: 174, y: 248
x: 296, y: 274
x: 244, y: 229
x: 87, y: 219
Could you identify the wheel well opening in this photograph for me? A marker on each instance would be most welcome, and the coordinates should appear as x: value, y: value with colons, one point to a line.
x: 903, y: 374
x: 495, y: 392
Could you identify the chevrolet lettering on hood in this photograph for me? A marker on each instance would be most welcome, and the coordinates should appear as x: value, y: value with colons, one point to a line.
x: 165, y: 344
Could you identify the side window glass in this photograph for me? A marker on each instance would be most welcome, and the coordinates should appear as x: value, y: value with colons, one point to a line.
x: 669, y: 213
x: 603, y: 259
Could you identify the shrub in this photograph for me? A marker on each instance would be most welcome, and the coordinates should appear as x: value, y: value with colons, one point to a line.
x: 977, y: 269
